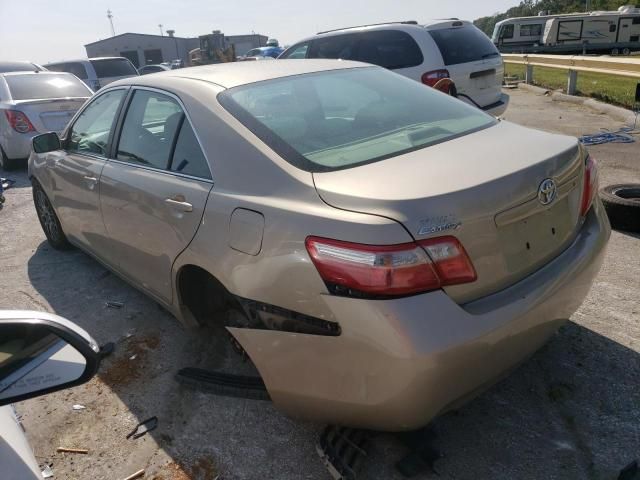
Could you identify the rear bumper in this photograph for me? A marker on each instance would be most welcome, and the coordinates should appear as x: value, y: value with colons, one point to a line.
x: 498, y: 108
x: 399, y: 363
x: 17, y: 145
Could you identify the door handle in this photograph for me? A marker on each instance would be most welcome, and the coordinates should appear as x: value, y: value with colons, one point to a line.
x: 91, y: 181
x: 178, y: 202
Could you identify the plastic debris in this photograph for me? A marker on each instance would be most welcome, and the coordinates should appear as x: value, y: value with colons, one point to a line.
x: 144, y: 427
x: 7, y: 183
x: 133, y: 357
x: 111, y: 304
x: 77, y: 406
x: 138, y: 474
x: 624, y: 135
x: 47, y: 472
x: 72, y: 450
x: 107, y: 349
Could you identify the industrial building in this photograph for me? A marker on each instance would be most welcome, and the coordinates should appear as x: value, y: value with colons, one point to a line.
x: 143, y: 49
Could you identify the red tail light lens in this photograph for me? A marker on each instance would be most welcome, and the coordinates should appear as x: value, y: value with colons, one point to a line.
x: 431, y: 78
x: 590, y: 187
x: 19, y: 121
x: 390, y: 270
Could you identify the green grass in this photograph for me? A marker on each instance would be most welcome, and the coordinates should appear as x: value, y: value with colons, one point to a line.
x: 611, y: 89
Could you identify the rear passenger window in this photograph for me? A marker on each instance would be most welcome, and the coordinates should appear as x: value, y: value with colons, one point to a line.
x: 390, y: 49
x: 188, y: 157
x: 149, y: 129
x: 338, y: 46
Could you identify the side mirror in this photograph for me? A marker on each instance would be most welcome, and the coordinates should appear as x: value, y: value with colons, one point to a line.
x: 47, y: 142
x: 42, y: 353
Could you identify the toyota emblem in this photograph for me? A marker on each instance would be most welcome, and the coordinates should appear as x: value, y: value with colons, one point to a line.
x: 547, y: 191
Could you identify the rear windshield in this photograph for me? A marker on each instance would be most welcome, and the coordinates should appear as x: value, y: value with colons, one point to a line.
x: 113, y: 67
x: 342, y: 118
x: 45, y: 85
x: 72, y: 67
x: 462, y: 45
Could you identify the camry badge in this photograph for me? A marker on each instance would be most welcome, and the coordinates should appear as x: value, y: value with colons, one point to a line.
x: 438, y: 224
x: 547, y: 191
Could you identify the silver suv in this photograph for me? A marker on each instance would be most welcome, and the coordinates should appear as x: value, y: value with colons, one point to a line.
x: 97, y: 72
x: 439, y: 50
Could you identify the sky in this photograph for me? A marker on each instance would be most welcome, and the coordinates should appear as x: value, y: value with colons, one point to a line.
x: 43, y: 31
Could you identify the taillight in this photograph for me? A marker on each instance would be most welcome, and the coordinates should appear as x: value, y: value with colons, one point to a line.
x: 19, y: 121
x: 433, y: 77
x: 390, y: 270
x: 590, y: 186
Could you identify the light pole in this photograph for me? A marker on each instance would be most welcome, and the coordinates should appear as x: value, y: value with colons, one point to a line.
x: 160, y: 27
x: 110, y: 17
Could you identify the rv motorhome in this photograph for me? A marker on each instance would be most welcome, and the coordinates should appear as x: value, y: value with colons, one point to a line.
x: 595, y: 32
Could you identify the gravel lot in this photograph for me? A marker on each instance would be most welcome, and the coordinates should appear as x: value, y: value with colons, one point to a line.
x: 572, y: 411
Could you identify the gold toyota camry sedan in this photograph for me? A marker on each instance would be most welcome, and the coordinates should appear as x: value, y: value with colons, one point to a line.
x: 388, y: 250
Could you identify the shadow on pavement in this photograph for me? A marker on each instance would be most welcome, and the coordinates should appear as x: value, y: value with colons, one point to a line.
x: 571, y: 411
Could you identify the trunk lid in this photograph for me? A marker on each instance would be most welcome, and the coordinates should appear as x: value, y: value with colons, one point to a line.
x: 51, y: 115
x: 483, y: 189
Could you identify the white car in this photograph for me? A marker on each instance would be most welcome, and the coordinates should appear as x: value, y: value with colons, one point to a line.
x: 443, y: 49
x: 96, y: 72
x: 34, y: 103
x: 39, y: 353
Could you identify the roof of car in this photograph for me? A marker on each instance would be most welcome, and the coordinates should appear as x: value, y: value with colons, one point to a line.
x: 229, y: 75
x: 30, y: 72
x: 20, y: 66
x: 77, y: 60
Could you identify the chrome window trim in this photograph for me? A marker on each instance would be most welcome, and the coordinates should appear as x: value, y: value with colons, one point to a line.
x: 187, y: 118
x: 160, y: 170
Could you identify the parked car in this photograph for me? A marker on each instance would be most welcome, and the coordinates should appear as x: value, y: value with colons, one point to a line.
x: 428, y: 53
x: 147, y: 69
x: 40, y: 353
x: 261, y: 53
x: 32, y: 103
x: 20, y: 67
x: 97, y: 72
x: 385, y: 250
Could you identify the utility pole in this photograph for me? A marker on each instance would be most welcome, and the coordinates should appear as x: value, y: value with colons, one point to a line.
x: 587, y: 5
x: 110, y: 17
x: 161, y: 32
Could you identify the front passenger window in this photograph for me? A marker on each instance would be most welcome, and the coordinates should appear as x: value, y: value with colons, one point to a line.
x: 90, y: 132
x: 149, y: 129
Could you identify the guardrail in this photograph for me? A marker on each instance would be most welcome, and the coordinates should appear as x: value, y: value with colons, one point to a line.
x: 624, y: 67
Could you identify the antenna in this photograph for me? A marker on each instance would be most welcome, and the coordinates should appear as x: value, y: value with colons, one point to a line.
x: 161, y: 32
x: 110, y: 17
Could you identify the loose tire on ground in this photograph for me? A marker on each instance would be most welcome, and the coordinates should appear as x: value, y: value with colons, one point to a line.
x: 622, y: 203
x: 48, y: 219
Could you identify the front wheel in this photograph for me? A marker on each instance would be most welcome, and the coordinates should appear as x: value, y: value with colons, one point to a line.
x: 48, y: 219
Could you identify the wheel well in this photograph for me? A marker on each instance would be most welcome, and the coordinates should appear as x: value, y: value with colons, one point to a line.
x: 202, y: 294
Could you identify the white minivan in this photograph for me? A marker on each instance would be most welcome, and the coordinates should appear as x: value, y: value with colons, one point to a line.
x: 96, y: 72
x: 426, y: 53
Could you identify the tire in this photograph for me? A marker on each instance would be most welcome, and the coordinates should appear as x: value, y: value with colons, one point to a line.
x: 615, y: 52
x: 7, y: 164
x: 626, y: 51
x: 622, y: 203
x: 48, y: 219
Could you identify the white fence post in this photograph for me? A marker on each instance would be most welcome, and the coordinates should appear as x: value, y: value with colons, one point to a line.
x: 572, y: 83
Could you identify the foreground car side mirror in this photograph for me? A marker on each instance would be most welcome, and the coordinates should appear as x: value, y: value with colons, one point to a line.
x: 47, y: 142
x: 42, y: 353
